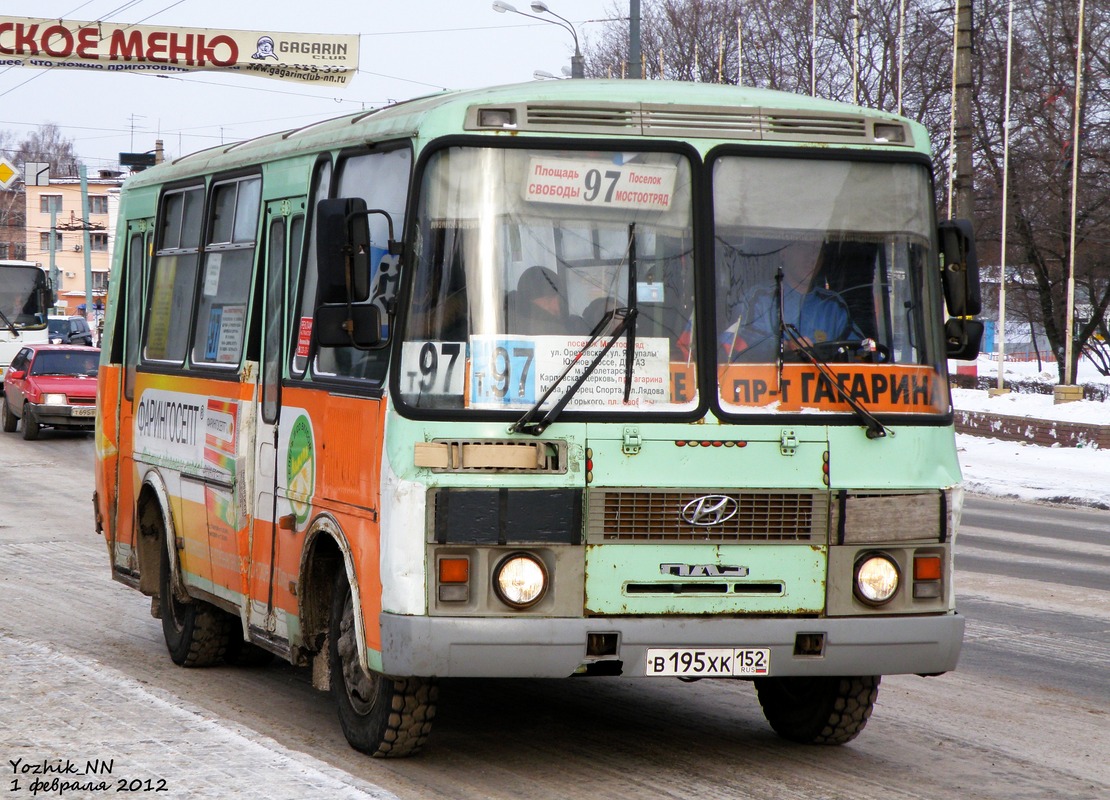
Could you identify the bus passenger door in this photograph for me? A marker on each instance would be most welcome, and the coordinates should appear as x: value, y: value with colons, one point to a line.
x: 120, y: 497
x: 273, y: 567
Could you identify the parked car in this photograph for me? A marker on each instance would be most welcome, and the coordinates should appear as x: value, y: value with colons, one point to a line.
x: 69, y: 330
x: 50, y: 384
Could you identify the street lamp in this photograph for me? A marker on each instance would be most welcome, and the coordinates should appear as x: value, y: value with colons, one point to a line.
x: 577, y: 69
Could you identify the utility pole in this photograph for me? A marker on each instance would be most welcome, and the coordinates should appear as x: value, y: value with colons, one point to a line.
x: 634, y: 56
x: 55, y: 276
x: 963, y: 187
x: 86, y: 242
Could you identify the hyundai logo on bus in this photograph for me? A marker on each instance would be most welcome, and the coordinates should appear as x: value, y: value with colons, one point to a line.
x: 710, y: 509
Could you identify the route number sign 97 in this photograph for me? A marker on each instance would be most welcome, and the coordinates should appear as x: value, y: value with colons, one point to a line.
x: 600, y: 183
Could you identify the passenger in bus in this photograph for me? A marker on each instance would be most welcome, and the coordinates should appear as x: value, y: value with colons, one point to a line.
x: 539, y: 308
x: 816, y: 313
x: 595, y: 311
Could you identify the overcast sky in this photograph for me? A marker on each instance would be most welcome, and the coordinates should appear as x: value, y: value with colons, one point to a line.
x: 407, y: 49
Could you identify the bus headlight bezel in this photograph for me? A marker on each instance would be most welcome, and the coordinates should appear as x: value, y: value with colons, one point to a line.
x: 876, y: 579
x: 520, y: 579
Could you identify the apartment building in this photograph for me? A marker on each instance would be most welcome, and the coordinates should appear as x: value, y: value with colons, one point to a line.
x: 57, y: 208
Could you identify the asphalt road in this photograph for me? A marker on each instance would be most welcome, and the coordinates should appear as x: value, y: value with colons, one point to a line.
x: 1026, y: 714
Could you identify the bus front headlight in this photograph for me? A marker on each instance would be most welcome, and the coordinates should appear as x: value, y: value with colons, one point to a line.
x: 520, y: 580
x: 877, y: 578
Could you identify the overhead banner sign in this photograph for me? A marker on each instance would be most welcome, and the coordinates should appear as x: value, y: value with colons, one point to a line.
x: 312, y: 58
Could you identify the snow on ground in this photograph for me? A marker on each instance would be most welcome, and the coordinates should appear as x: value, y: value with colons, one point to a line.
x: 1076, y: 476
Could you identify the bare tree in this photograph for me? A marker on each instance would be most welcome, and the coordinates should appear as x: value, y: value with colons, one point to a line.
x: 48, y: 145
x: 1040, y: 176
x: 687, y: 41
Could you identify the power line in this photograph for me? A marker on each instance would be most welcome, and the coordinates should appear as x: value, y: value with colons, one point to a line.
x: 156, y: 13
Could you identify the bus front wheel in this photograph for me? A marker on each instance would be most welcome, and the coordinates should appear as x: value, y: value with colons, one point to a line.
x: 819, y: 710
x: 383, y: 716
x: 196, y: 632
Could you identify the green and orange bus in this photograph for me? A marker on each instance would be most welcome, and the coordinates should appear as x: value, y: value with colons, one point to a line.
x: 478, y: 385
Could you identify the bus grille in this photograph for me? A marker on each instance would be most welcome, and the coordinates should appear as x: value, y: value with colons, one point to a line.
x: 809, y: 127
x: 633, y: 515
x: 677, y: 120
x: 610, y: 117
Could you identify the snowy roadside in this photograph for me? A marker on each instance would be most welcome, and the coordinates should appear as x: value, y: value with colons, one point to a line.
x: 1069, y: 475
x: 1072, y: 476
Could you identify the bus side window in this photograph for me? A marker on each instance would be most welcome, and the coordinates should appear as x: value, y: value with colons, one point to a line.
x: 173, y: 276
x: 381, y: 178
x: 128, y: 323
x: 221, y: 321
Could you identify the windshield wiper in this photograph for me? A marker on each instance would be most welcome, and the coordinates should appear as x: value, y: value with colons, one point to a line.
x: 528, y: 423
x: 634, y: 311
x: 875, y: 429
x: 8, y: 322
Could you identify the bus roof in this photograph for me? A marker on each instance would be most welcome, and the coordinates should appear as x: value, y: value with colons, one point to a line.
x: 608, y: 108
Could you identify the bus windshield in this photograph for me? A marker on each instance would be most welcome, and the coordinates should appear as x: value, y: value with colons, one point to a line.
x: 24, y: 297
x: 522, y: 254
x: 823, y: 260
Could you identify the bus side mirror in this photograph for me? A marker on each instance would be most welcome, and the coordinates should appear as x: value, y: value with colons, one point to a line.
x: 962, y: 338
x: 347, y: 325
x: 343, y: 250
x: 960, y: 270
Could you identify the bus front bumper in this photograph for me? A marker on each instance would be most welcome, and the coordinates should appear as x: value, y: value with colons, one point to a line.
x: 530, y: 647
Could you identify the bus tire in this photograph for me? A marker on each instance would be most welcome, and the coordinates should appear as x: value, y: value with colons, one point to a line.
x: 31, y: 426
x: 10, y: 420
x: 818, y: 710
x: 196, y: 632
x: 383, y: 716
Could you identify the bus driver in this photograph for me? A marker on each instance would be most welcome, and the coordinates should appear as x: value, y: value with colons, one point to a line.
x: 816, y: 313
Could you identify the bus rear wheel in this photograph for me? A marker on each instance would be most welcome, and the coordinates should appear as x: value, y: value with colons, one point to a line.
x: 196, y: 633
x: 819, y: 710
x: 384, y: 716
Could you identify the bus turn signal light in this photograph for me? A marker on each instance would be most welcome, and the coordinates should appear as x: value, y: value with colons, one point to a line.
x: 927, y: 571
x: 454, y: 570
x: 454, y: 580
x: 926, y: 568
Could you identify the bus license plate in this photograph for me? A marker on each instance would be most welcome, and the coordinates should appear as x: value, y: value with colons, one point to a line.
x: 86, y: 411
x: 709, y: 663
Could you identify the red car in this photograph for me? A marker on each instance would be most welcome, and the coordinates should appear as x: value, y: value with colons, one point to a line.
x: 51, y: 384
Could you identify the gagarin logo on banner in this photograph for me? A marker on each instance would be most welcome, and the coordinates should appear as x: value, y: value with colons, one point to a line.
x: 112, y: 47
